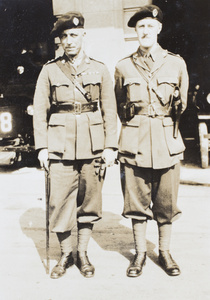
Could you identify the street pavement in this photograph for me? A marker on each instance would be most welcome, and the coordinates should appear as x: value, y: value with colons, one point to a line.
x: 23, y: 257
x: 194, y: 175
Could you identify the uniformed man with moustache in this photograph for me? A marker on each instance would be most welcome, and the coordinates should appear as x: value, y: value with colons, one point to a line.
x: 151, y: 90
x: 75, y: 128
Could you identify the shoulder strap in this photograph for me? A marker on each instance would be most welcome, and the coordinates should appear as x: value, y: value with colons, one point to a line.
x: 86, y: 94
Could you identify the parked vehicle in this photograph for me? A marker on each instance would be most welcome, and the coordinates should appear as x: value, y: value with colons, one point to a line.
x: 24, y: 48
x: 186, y: 32
x: 195, y: 122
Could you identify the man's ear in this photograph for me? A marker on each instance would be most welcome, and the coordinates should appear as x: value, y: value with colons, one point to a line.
x: 160, y: 27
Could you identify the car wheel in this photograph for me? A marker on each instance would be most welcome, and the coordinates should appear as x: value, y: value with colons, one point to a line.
x: 204, y: 144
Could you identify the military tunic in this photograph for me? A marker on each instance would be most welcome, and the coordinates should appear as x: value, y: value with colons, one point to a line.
x: 147, y: 139
x: 74, y: 139
x: 74, y: 136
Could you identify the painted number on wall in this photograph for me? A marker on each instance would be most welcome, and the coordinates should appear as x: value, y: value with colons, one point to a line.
x: 5, y: 122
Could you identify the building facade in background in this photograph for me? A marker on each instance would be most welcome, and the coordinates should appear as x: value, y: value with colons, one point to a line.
x: 185, y: 29
x: 108, y: 37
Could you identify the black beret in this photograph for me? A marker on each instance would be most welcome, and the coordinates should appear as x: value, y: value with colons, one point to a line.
x: 72, y: 19
x: 147, y: 11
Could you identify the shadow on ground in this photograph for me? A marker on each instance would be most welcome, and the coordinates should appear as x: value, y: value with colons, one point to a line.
x: 108, y: 233
x: 32, y: 224
x: 111, y: 235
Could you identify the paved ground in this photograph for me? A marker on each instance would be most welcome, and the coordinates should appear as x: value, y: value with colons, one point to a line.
x: 22, y: 220
x: 194, y: 175
x: 191, y: 172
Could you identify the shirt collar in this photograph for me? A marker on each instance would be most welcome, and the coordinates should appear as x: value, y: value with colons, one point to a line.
x: 153, y: 52
x: 75, y: 62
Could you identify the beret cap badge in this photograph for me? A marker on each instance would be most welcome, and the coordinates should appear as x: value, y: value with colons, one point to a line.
x: 76, y: 21
x: 155, y: 13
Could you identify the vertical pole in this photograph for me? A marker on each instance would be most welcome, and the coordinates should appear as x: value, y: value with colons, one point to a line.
x: 47, y: 196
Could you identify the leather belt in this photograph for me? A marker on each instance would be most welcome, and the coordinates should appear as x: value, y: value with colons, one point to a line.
x: 76, y: 108
x: 152, y: 111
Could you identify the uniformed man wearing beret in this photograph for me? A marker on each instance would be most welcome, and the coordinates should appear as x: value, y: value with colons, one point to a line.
x: 75, y: 131
x: 151, y: 91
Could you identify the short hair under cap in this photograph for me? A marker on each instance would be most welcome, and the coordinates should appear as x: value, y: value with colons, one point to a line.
x: 147, y: 11
x: 71, y: 19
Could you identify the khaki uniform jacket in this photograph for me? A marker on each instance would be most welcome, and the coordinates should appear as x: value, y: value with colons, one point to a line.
x: 147, y: 140
x: 67, y: 135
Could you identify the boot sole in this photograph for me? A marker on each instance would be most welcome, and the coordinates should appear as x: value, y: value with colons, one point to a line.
x: 70, y: 264
x: 134, y: 275
x: 87, y: 275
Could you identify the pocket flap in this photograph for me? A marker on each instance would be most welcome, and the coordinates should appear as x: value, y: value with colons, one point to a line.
x: 57, y: 119
x: 134, y: 122
x: 133, y: 80
x: 95, y: 118
x: 168, y: 122
x: 169, y: 80
x: 91, y: 79
x: 61, y: 83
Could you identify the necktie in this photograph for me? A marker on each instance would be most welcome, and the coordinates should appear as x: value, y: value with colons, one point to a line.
x: 148, y: 61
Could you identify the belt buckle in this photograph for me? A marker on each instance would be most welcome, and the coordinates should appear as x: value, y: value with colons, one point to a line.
x: 151, y: 111
x: 77, y: 108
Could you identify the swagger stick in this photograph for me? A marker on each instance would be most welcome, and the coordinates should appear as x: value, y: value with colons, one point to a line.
x: 47, y: 195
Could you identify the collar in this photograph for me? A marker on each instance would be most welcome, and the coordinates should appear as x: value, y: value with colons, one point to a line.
x: 75, y: 62
x: 153, y: 53
x: 158, y: 55
x: 81, y: 67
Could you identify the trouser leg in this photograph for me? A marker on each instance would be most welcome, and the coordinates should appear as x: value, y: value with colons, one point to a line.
x: 64, y: 179
x: 89, y: 197
x: 136, y: 188
x: 165, y: 193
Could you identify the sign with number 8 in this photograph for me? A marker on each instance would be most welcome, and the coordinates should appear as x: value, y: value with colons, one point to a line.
x: 5, y: 122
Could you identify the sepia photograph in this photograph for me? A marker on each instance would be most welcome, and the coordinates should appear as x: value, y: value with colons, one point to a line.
x: 104, y: 149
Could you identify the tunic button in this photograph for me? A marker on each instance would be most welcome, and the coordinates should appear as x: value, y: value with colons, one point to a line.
x: 150, y: 75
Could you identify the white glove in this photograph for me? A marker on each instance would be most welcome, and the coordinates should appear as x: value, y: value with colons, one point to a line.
x: 44, y: 159
x: 109, y: 156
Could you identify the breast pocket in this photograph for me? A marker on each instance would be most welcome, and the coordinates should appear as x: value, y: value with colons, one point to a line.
x: 91, y: 83
x: 166, y: 88
x: 96, y: 131
x: 57, y: 133
x: 133, y: 86
x: 63, y: 91
x: 175, y: 146
x: 129, y: 136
